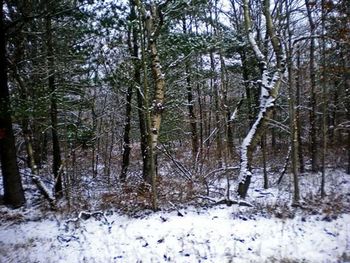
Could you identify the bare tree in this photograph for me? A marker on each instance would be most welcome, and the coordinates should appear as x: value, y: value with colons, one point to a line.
x: 269, y: 87
x: 313, y: 102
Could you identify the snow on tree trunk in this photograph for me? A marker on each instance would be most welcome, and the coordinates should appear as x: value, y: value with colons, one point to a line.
x: 158, y: 76
x: 269, y: 88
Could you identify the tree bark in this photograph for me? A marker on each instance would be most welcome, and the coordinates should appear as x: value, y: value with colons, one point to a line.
x: 13, y: 190
x: 56, y: 151
x: 158, y: 76
x: 229, y: 117
x: 153, y: 22
x: 297, y: 114
x: 140, y: 96
x: 133, y: 50
x: 292, y: 119
x: 346, y: 77
x: 324, y: 100
x: 269, y: 88
x: 143, y: 128
x: 313, y: 102
x: 215, y: 89
x: 263, y: 149
x: 126, y: 136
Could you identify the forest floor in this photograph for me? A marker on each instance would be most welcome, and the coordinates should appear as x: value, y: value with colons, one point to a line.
x: 271, y: 230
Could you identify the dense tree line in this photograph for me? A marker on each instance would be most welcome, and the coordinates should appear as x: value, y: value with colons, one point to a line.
x: 119, y: 91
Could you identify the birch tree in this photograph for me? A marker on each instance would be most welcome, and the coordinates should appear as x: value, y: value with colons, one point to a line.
x: 153, y: 20
x: 269, y: 85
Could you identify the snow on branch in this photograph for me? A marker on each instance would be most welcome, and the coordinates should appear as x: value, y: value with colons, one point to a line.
x: 259, y: 55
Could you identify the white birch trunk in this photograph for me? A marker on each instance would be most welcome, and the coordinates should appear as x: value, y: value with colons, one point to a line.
x: 269, y: 88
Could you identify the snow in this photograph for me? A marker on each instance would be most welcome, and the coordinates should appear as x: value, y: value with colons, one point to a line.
x: 270, y: 231
x: 234, y: 115
x: 255, y: 47
x: 213, y: 235
x: 267, y: 100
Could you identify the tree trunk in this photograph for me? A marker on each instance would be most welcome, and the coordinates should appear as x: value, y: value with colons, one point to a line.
x: 346, y: 77
x: 141, y: 101
x: 159, y: 92
x: 191, y: 114
x: 297, y: 114
x: 248, y: 91
x: 28, y: 139
x: 190, y: 103
x: 229, y: 117
x: 292, y: 119
x: 215, y: 90
x: 158, y: 76
x: 263, y: 149
x: 153, y: 114
x: 126, y: 136
x: 133, y: 49
x: 269, y: 88
x: 56, y: 152
x: 13, y: 190
x: 143, y: 129
x: 199, y: 163
x: 313, y: 102
x: 324, y: 102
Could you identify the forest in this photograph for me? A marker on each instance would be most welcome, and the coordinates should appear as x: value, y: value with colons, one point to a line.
x: 168, y: 110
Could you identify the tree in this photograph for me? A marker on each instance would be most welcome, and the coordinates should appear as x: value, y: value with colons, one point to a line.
x: 269, y: 88
x: 324, y: 100
x: 133, y: 50
x: 291, y: 98
x: 190, y: 100
x: 13, y: 190
x: 56, y: 152
x: 313, y: 101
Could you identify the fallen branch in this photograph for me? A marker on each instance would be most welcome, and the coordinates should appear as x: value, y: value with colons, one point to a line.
x: 285, y: 165
x: 43, y: 190
x: 229, y: 202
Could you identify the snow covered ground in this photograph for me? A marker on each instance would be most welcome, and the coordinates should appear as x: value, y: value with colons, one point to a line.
x: 218, y: 233
x: 213, y: 235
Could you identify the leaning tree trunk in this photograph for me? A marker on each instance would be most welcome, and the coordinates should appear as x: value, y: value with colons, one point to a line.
x: 13, y: 190
x: 269, y: 88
